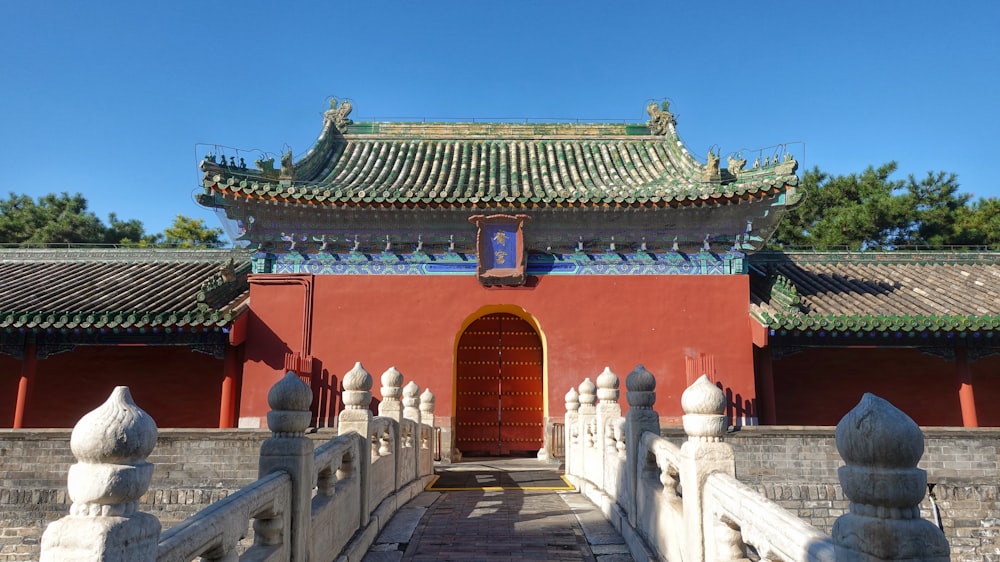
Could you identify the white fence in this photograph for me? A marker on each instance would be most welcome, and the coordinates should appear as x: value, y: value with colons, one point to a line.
x: 684, y: 504
x: 326, y: 503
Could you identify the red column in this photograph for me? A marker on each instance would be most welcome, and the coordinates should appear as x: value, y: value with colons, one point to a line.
x: 28, y: 365
x: 231, y: 367
x: 966, y: 397
x: 765, y: 385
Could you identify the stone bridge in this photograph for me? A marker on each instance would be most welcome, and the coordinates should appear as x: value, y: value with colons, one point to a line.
x: 669, y: 502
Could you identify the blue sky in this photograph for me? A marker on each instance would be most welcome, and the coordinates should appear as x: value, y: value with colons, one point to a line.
x: 111, y: 99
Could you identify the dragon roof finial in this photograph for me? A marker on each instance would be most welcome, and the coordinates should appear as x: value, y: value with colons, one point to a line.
x: 337, y: 114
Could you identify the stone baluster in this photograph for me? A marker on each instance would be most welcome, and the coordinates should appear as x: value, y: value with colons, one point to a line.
x: 703, y: 453
x: 392, y: 389
x: 412, y: 436
x: 411, y: 402
x: 289, y: 450
x: 607, y: 408
x: 428, y: 439
x: 607, y: 394
x: 572, y: 432
x: 641, y: 395
x: 111, y: 445
x: 357, y: 417
x: 881, y: 447
x: 587, y: 421
x: 357, y: 397
x: 427, y: 407
x: 391, y: 407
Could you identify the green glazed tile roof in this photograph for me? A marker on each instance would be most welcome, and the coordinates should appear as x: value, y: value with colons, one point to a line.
x: 489, y: 164
x: 80, y: 289
x: 876, y: 291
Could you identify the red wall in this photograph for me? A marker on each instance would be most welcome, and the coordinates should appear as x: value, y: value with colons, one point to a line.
x: 820, y: 385
x: 587, y: 323
x: 986, y: 385
x: 176, y: 386
x: 10, y: 374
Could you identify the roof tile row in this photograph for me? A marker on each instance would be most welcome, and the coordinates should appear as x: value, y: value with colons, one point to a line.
x: 68, y: 289
x: 887, y: 291
x: 405, y: 163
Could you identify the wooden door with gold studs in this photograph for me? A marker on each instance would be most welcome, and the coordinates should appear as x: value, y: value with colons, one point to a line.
x: 499, y: 388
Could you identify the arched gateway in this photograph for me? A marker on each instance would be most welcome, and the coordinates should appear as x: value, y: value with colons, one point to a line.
x: 499, y: 387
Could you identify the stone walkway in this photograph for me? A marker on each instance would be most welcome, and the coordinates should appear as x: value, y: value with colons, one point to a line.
x: 498, y: 525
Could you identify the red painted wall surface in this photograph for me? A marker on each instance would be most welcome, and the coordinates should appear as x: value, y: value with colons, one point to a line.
x: 586, y: 322
x: 176, y: 386
x: 986, y: 385
x: 820, y: 385
x: 10, y: 374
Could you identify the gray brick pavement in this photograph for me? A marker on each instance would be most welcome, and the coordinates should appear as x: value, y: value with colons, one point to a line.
x: 498, y: 525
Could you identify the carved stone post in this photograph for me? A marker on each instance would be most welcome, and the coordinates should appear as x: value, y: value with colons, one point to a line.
x: 607, y: 408
x: 392, y: 389
x: 641, y: 394
x: 357, y: 417
x: 289, y: 450
x: 390, y: 407
x: 411, y: 402
x: 587, y: 423
x: 411, y: 413
x: 572, y: 431
x: 702, y: 454
x: 881, y: 447
x: 111, y: 445
x: 357, y: 397
x: 431, y: 445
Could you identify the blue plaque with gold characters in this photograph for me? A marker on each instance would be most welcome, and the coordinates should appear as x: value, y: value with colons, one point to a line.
x: 500, y: 248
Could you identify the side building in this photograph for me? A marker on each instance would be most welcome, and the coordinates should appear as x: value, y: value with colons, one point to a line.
x: 920, y: 329
x: 75, y: 323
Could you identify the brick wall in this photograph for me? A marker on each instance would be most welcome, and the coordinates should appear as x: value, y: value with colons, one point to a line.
x: 797, y: 468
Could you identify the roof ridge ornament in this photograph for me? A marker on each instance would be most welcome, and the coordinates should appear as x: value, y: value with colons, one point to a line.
x: 736, y: 164
x: 337, y: 114
x: 287, y: 168
x: 223, y: 286
x: 660, y: 119
x: 711, y: 172
x: 784, y: 293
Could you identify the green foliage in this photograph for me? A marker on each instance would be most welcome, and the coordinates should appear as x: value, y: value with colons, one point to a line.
x: 52, y: 219
x: 979, y: 223
x: 186, y: 232
x: 933, y: 206
x: 128, y: 233
x: 64, y: 219
x: 871, y: 211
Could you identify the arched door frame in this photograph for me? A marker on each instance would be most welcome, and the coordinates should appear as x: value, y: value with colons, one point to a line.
x: 499, y: 309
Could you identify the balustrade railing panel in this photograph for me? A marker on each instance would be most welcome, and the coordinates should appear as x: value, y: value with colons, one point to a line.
x: 408, y: 464
x: 308, y: 504
x: 739, y: 516
x: 215, y: 532
x: 659, y: 506
x: 684, y: 504
x: 384, y: 457
x: 614, y: 454
x: 336, y: 505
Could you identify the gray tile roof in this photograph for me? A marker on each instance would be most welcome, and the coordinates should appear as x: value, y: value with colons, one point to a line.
x: 71, y: 288
x: 870, y: 291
